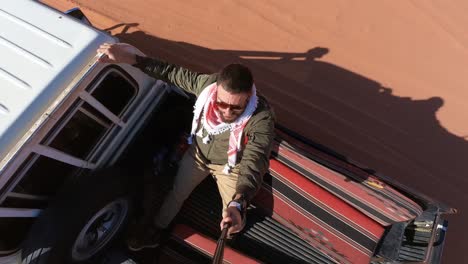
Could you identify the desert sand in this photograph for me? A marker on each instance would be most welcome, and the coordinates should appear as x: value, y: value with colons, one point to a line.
x: 381, y: 82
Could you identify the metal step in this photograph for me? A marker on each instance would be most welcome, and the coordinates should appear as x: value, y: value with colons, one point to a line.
x: 414, y: 245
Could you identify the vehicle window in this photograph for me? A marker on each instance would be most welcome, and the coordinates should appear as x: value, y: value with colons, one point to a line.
x: 45, y: 176
x: 79, y: 131
x: 79, y: 136
x: 114, y: 92
x: 95, y: 114
x: 88, y: 126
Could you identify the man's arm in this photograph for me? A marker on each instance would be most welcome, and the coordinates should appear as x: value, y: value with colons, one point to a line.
x: 190, y: 81
x: 255, y: 159
x: 253, y: 165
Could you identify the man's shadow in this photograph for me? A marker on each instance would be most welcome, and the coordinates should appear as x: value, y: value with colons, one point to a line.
x: 397, y: 136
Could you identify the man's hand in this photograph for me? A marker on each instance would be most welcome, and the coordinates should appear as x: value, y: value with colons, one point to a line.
x: 233, y: 216
x: 119, y: 53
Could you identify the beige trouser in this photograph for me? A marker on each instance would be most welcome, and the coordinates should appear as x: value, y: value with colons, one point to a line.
x: 192, y: 171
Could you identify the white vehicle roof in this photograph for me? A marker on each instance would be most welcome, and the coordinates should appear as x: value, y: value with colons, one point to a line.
x: 41, y: 51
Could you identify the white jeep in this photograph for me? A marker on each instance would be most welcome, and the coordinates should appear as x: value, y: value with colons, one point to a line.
x: 62, y: 114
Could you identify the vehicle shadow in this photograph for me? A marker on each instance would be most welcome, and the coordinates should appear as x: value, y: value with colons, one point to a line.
x: 356, y: 116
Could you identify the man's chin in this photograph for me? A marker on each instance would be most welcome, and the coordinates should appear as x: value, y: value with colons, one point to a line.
x: 228, y: 120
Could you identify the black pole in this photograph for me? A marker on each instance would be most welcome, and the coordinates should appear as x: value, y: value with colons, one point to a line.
x: 219, y: 252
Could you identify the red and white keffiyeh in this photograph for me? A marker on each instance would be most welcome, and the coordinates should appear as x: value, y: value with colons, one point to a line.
x: 212, y: 123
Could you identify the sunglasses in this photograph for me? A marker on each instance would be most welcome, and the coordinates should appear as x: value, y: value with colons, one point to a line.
x: 223, y: 105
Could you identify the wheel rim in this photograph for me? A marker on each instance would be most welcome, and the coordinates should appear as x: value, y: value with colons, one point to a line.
x: 100, y: 229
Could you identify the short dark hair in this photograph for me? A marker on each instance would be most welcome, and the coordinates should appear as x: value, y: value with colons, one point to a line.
x: 235, y: 78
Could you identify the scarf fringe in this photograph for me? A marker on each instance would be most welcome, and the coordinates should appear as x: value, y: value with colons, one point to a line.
x: 200, y: 133
x: 207, y: 139
x: 227, y: 169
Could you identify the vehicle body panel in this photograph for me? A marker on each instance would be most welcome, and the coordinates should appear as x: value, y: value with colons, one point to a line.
x: 42, y: 52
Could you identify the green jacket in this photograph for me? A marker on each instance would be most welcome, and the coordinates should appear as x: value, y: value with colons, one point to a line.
x: 253, y: 158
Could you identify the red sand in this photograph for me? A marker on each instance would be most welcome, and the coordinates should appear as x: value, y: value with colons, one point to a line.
x: 381, y: 82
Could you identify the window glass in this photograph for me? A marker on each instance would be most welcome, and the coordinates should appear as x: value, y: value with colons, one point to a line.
x: 114, y: 92
x: 79, y: 136
x: 45, y: 177
x: 91, y: 111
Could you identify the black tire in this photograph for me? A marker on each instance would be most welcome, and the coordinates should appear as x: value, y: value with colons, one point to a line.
x: 102, y: 199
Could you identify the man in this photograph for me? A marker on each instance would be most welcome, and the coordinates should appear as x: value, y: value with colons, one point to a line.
x: 231, y: 137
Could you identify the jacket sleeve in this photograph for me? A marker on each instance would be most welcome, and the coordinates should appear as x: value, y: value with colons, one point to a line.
x: 190, y: 81
x: 256, y: 155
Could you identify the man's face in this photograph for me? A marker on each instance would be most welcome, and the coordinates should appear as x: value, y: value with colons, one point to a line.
x: 230, y: 106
